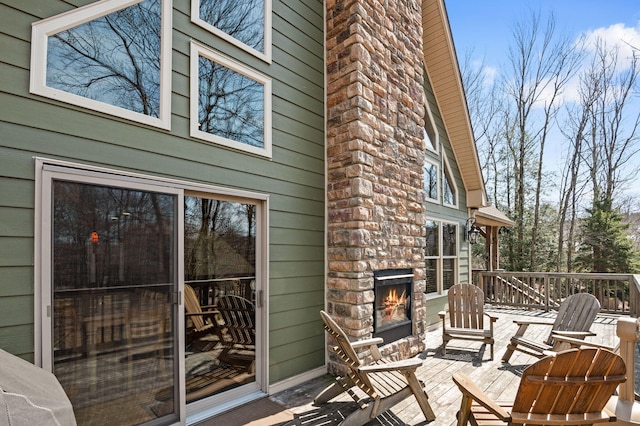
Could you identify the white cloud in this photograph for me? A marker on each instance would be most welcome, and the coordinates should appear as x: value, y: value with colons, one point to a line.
x: 619, y: 36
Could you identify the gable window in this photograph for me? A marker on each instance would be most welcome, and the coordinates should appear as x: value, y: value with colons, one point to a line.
x: 111, y: 56
x: 441, y: 256
x: 431, y: 181
x: 230, y: 103
x: 245, y: 24
x: 429, y: 133
x: 449, y: 189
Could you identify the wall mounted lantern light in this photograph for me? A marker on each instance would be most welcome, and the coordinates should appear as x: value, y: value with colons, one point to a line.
x: 471, y: 231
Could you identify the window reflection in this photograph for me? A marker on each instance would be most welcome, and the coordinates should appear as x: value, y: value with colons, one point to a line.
x: 220, y: 295
x: 113, y: 59
x: 230, y: 105
x: 112, y: 321
x: 243, y: 21
x: 431, y: 181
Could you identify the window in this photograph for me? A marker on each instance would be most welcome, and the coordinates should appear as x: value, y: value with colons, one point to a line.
x: 441, y: 255
x: 429, y: 130
x: 449, y: 189
x: 111, y: 56
x: 230, y: 103
x: 431, y: 181
x: 246, y: 24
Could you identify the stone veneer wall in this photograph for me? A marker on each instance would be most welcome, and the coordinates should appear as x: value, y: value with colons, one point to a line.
x: 375, y: 155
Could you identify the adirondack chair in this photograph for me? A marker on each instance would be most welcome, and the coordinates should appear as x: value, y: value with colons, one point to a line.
x: 200, y: 322
x: 237, y: 332
x: 376, y: 386
x: 571, y: 388
x: 575, y: 316
x: 466, y: 317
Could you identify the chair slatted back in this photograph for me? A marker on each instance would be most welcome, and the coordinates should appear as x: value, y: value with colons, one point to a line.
x: 576, y: 381
x: 466, y: 306
x: 577, y: 312
x: 239, y: 316
x: 192, y: 306
x: 347, y: 354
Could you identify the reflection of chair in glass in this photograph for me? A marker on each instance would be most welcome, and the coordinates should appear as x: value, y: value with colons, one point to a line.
x: 571, y: 388
x: 238, y: 331
x: 466, y: 317
x: 575, y: 316
x: 145, y: 331
x: 200, y: 320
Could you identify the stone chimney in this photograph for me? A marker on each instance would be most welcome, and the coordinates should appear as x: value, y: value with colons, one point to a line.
x: 375, y: 155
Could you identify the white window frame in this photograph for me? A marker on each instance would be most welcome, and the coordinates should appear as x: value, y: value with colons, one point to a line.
x: 446, y: 170
x: 440, y: 257
x: 265, y: 56
x: 45, y: 28
x: 198, y: 50
x: 426, y: 195
x: 48, y: 169
x: 428, y: 118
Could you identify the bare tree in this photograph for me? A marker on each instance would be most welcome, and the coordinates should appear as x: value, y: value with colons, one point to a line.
x: 542, y: 63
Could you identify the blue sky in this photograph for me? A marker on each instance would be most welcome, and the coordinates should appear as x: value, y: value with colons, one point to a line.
x: 484, y: 27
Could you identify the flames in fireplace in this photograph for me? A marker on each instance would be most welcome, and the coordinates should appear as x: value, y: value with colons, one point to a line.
x: 392, y: 303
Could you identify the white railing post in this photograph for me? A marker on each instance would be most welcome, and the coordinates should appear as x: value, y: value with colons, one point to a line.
x: 624, y: 406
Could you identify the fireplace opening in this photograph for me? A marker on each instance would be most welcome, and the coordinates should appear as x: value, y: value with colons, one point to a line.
x: 392, y: 304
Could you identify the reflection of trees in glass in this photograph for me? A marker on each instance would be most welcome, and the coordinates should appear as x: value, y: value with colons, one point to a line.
x: 243, y: 21
x: 134, y: 230
x: 113, y: 59
x: 230, y: 104
x: 431, y: 181
x: 449, y: 234
x: 219, y: 238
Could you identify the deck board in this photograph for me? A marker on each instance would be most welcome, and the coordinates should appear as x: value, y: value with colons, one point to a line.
x: 499, y: 380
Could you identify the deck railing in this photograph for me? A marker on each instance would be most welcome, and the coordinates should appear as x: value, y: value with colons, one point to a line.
x: 617, y: 293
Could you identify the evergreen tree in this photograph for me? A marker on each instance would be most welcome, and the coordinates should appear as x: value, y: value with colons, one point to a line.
x: 605, y: 245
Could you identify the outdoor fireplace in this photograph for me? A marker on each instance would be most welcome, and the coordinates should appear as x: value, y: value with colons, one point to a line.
x: 392, y: 304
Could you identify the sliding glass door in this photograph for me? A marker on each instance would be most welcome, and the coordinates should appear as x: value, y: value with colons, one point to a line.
x: 112, y: 301
x: 220, y: 295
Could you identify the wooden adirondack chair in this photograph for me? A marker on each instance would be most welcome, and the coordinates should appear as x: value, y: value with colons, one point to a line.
x: 201, y: 320
x: 575, y: 316
x: 571, y: 388
x: 376, y: 386
x: 238, y: 331
x: 466, y: 317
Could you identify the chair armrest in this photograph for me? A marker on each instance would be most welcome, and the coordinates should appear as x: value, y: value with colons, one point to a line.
x: 573, y: 334
x: 576, y: 343
x: 367, y: 342
x: 442, y: 314
x: 493, y: 318
x: 410, y: 364
x: 469, y: 389
x: 533, y: 322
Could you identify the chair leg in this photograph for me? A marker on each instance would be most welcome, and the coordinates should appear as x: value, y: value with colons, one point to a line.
x: 328, y: 393
x: 421, y: 397
x: 510, y: 348
x: 465, y: 411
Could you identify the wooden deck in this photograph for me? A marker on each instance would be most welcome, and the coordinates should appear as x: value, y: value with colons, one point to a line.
x: 499, y: 380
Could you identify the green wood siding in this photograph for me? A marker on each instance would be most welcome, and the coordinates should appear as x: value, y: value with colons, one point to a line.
x: 294, y: 178
x: 447, y: 213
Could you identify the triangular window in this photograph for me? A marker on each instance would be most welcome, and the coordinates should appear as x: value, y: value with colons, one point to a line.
x: 431, y: 181
x: 429, y: 133
x: 449, y: 189
x: 112, y: 56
